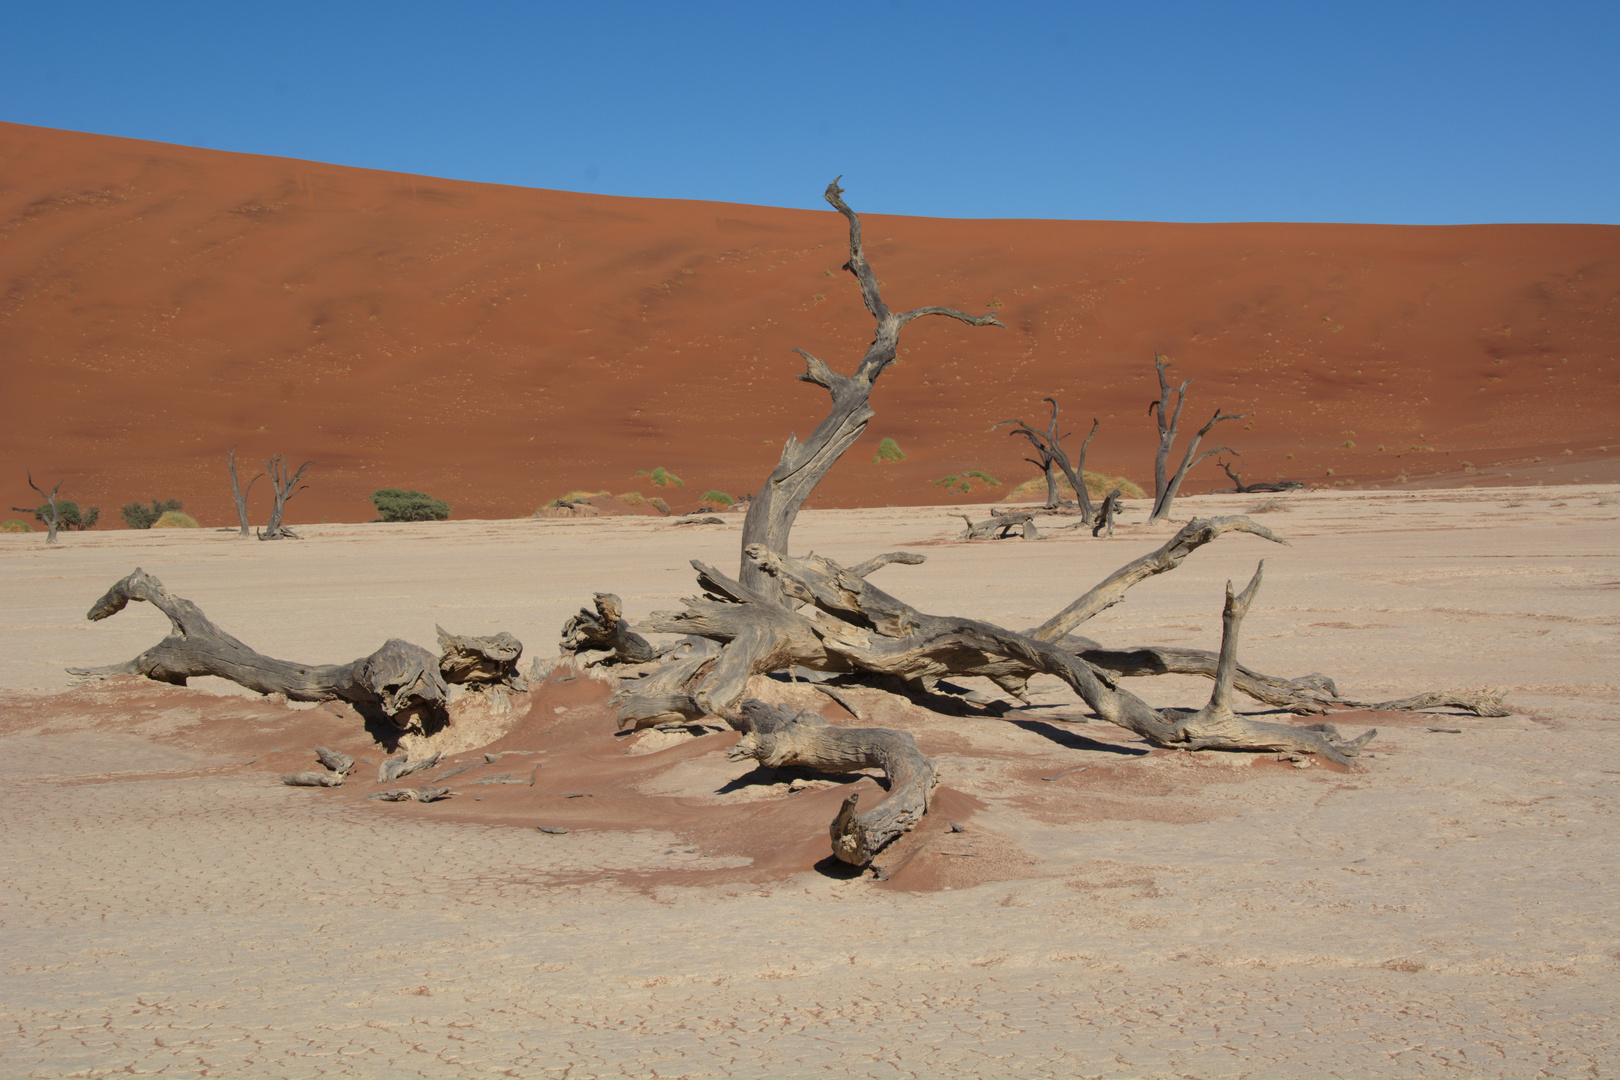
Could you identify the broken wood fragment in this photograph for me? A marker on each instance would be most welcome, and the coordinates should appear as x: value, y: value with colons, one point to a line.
x: 421, y: 794
x: 313, y: 779
x: 481, y: 661
x: 338, y: 762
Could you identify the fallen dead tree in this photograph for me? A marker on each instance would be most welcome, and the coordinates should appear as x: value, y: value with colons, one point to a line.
x: 786, y: 613
x: 400, y: 682
x: 1002, y: 526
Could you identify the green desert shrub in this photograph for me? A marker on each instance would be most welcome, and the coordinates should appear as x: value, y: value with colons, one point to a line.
x: 175, y: 519
x: 140, y: 516
x: 14, y: 526
x: 69, y: 516
x: 395, y: 505
x: 662, y: 477
x: 718, y: 497
x: 962, y: 483
x: 632, y: 498
x: 888, y: 450
x: 1098, y: 485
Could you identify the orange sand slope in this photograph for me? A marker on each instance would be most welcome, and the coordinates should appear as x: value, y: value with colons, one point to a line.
x: 500, y: 346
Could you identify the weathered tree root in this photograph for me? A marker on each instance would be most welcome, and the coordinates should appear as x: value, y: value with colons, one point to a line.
x: 313, y: 779
x: 778, y: 737
x: 1002, y: 526
x: 401, y: 682
x: 421, y: 794
x: 400, y: 765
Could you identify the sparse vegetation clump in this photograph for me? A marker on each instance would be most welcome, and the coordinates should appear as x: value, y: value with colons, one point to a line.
x: 660, y: 505
x: 888, y: 450
x: 68, y: 515
x: 14, y: 526
x: 662, y: 477
x: 962, y: 483
x: 175, y: 519
x: 1270, y: 506
x: 395, y: 505
x: 719, y: 498
x: 1098, y: 485
x: 632, y: 498
x: 140, y: 516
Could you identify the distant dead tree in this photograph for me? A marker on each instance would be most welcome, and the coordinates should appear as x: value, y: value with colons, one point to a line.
x: 48, y: 513
x: 1165, y: 487
x: 284, y: 482
x: 239, y: 495
x: 1048, y: 446
x: 1239, y: 487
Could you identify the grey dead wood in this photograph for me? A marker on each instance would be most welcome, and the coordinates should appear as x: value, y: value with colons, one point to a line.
x: 284, y: 484
x: 481, y: 661
x: 1106, y: 513
x: 1000, y: 527
x: 313, y: 779
x: 709, y: 519
x: 336, y: 760
x: 771, y: 514
x: 239, y: 495
x: 1166, y: 485
x: 606, y: 630
x: 400, y: 766
x: 53, y: 519
x: 399, y: 681
x: 1240, y: 488
x: 1051, y: 457
x: 777, y: 737
x: 421, y: 794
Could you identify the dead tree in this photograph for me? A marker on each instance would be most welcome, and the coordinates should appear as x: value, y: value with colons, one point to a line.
x: 787, y: 613
x: 1166, y: 486
x: 284, y: 482
x: 52, y: 518
x: 1048, y: 447
x: 772, y: 512
x: 400, y: 682
x: 240, y: 496
x: 1240, y: 488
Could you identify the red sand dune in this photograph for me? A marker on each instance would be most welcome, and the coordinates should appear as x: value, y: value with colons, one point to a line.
x: 499, y: 346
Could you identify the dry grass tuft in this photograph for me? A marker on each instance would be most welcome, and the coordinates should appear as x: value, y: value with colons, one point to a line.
x: 175, y: 519
x: 1098, y: 485
x: 1270, y: 506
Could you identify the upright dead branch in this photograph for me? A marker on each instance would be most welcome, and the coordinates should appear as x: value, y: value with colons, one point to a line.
x: 284, y: 482
x: 240, y: 496
x: 1048, y: 447
x: 1165, y: 486
x: 772, y: 512
x: 53, y: 519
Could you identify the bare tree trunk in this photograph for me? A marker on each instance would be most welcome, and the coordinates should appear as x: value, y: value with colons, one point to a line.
x: 1106, y: 514
x: 400, y: 681
x: 53, y: 519
x: 772, y: 512
x: 1165, y: 486
x: 1048, y: 445
x: 284, y: 482
x: 239, y: 496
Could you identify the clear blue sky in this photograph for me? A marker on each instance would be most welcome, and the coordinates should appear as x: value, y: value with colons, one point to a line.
x: 1422, y: 113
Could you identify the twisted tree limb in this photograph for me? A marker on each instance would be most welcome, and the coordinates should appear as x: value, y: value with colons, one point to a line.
x: 399, y: 681
x: 802, y: 465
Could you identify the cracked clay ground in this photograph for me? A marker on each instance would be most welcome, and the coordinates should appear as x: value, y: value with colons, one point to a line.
x: 1450, y: 909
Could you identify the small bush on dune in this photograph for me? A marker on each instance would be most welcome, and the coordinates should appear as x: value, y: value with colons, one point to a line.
x: 140, y: 516
x: 662, y: 477
x: 718, y: 497
x: 660, y: 505
x: 632, y: 498
x: 395, y: 505
x: 14, y: 526
x: 174, y: 519
x: 1098, y: 485
x: 888, y: 450
x: 962, y: 483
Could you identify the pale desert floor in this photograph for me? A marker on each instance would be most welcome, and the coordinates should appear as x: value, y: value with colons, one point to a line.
x: 1450, y: 908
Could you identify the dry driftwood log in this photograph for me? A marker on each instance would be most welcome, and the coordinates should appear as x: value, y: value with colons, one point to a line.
x: 1165, y: 487
x: 400, y: 681
x: 1000, y: 527
x: 1240, y: 488
x: 778, y: 737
